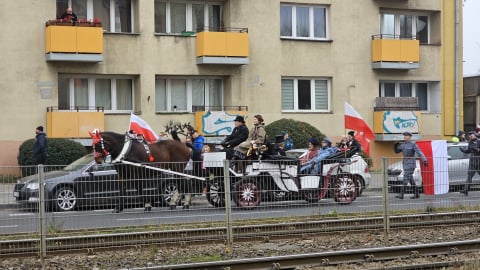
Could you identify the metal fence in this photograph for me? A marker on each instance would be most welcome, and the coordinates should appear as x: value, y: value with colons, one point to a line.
x: 88, y: 206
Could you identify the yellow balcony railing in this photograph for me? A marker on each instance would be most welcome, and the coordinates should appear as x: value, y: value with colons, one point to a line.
x: 223, y: 47
x: 74, y: 43
x: 73, y: 123
x: 394, y: 52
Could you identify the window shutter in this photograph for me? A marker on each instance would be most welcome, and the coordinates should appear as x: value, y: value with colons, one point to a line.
x: 287, y: 95
x: 321, y: 95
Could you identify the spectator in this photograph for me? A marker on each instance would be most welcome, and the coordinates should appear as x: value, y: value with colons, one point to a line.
x: 461, y: 136
x: 288, y: 141
x: 40, y: 146
x: 315, y: 164
x: 69, y: 16
x: 474, y: 163
x: 197, y: 140
x: 312, y: 151
x: 408, y: 149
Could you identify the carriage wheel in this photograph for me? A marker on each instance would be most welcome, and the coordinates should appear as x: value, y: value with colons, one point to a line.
x: 216, y: 194
x: 247, y: 194
x: 345, y: 191
x: 65, y: 199
x: 360, y: 183
x: 166, y: 193
x: 312, y: 196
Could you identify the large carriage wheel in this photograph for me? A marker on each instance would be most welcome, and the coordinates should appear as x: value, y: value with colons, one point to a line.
x: 360, y: 183
x: 65, y: 199
x: 344, y: 189
x: 168, y: 188
x: 247, y: 193
x: 216, y: 193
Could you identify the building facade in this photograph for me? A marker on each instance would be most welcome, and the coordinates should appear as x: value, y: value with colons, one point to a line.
x: 167, y: 59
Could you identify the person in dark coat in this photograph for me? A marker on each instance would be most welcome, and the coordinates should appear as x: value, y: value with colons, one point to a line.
x: 40, y: 146
x: 69, y: 15
x: 352, y: 143
x: 239, y: 134
x: 408, y: 149
x: 474, y: 163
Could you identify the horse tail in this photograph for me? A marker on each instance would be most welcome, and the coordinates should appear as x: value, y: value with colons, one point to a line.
x: 175, y: 136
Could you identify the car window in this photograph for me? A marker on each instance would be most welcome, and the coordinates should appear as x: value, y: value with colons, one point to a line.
x: 79, y: 163
x: 455, y: 153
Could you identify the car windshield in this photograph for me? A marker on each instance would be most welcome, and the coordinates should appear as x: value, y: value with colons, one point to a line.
x: 79, y: 163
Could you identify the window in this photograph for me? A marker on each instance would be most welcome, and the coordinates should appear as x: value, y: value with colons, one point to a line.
x: 187, y: 94
x: 393, y: 25
x: 305, y: 95
x: 420, y: 90
x: 115, y: 15
x: 303, y: 22
x: 174, y: 17
x: 113, y: 94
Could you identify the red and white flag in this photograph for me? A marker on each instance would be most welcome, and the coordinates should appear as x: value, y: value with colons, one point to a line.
x: 435, y: 175
x: 354, y: 121
x: 139, y: 125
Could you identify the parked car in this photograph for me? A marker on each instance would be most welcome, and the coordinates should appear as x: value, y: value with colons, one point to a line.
x: 457, y: 170
x: 358, y: 167
x: 86, y: 184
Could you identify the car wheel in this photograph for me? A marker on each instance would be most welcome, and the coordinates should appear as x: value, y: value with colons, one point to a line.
x: 344, y: 191
x: 360, y: 183
x: 247, y: 194
x: 65, y: 199
x: 216, y: 194
x: 168, y: 189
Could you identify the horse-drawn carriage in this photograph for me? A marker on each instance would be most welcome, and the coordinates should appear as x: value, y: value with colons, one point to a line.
x: 264, y: 178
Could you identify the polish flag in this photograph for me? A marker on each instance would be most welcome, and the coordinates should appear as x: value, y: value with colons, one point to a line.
x: 139, y: 125
x: 354, y: 121
x: 435, y: 175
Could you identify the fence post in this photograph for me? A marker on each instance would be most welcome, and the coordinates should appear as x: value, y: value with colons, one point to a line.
x: 41, y: 211
x: 386, y: 214
x: 228, y: 204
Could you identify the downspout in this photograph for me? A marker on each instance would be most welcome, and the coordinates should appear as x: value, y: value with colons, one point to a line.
x: 457, y: 68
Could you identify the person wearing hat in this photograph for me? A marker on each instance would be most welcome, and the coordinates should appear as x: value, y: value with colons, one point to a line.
x: 352, y: 143
x: 257, y: 136
x: 288, y: 140
x: 408, y: 148
x: 474, y: 163
x: 238, y: 135
x: 40, y: 146
x: 279, y: 146
x: 312, y: 151
x: 197, y: 140
x: 315, y: 164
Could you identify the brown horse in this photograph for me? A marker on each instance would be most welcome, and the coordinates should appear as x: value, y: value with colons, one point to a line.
x: 167, y: 154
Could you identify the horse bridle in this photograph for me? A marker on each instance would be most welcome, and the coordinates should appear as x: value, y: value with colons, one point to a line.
x: 96, y: 139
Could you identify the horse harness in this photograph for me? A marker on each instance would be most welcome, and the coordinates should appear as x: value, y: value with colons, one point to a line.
x: 97, y: 138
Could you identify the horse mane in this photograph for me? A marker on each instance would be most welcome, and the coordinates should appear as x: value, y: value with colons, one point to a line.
x: 175, y: 136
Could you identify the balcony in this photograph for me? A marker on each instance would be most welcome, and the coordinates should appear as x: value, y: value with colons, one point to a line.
x: 75, y: 122
x: 228, y: 47
x: 390, y: 52
x: 79, y: 43
x: 394, y: 115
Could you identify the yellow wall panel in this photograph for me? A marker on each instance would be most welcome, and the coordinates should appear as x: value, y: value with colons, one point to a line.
x: 73, y: 124
x: 61, y: 39
x: 90, y: 39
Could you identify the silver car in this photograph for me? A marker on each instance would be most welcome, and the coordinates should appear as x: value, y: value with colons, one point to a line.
x: 457, y: 170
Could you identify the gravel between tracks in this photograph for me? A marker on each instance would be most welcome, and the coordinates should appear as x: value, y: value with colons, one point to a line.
x: 153, y: 255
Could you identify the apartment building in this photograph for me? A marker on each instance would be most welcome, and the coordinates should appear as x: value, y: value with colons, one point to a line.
x: 186, y: 60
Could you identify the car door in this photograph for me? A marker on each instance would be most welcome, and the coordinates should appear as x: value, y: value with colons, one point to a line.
x: 100, y: 181
x: 457, y: 164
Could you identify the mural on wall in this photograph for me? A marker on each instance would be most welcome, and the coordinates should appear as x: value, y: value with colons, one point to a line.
x: 217, y: 123
x: 400, y: 121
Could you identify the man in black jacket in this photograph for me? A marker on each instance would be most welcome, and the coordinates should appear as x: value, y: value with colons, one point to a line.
x: 239, y: 134
x: 474, y: 163
x: 40, y: 146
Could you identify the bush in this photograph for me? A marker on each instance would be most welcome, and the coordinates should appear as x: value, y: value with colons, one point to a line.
x: 60, y: 152
x: 297, y: 130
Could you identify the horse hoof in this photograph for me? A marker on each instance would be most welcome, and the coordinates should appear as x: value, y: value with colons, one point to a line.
x: 147, y: 209
x: 117, y: 210
x: 186, y: 207
x: 173, y: 207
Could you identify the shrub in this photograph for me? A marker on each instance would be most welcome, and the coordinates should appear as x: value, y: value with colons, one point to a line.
x: 60, y: 152
x: 297, y: 130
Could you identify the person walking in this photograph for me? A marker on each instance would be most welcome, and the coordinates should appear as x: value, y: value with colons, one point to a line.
x: 474, y: 163
x: 40, y: 146
x: 408, y: 148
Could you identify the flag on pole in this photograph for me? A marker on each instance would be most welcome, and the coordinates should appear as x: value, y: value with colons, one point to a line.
x: 139, y: 125
x: 435, y: 175
x: 354, y: 121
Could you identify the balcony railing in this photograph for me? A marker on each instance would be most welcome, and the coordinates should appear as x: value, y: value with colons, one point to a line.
x: 80, y: 42
x: 223, y: 46
x: 73, y: 122
x: 392, y: 52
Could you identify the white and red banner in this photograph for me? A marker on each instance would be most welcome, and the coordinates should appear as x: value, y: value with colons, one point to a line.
x: 435, y: 175
x: 354, y: 121
x: 139, y: 125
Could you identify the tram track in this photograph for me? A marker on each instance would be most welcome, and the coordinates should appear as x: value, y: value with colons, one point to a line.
x: 284, y: 230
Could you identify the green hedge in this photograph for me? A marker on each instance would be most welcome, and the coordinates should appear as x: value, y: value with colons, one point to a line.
x: 299, y: 131
x: 61, y: 152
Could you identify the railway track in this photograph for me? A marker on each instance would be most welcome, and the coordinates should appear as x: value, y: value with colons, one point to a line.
x: 62, y: 244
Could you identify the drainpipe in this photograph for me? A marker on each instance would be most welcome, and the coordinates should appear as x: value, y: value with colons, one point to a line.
x: 457, y: 68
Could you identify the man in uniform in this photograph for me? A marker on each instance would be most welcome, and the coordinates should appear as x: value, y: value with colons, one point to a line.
x: 408, y: 149
x: 474, y: 163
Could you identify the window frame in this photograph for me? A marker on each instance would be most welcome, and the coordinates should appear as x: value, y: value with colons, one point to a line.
x: 189, y: 92
x: 293, y: 25
x: 91, y: 91
x: 397, y: 28
x: 413, y: 89
x: 312, y: 95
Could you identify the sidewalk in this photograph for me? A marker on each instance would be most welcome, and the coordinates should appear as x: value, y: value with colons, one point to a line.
x: 6, y: 195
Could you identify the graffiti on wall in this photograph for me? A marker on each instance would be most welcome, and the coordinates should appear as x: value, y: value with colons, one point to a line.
x: 400, y: 121
x: 218, y: 123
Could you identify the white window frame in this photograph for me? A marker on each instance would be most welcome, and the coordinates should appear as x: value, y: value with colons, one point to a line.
x: 91, y: 91
x: 91, y: 15
x: 189, y: 93
x: 397, y: 14
x: 311, y: 22
x: 414, y: 90
x: 312, y: 94
x: 188, y: 15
